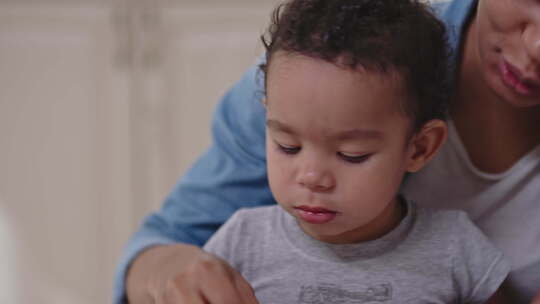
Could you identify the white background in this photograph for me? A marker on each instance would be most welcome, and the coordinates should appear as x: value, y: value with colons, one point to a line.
x: 103, y: 105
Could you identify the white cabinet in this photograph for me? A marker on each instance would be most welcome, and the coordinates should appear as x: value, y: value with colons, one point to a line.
x: 103, y: 105
x: 64, y: 173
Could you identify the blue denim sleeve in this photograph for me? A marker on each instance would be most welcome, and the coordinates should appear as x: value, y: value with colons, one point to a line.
x: 230, y: 175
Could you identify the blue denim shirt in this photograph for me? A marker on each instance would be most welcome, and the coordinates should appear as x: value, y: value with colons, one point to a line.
x: 232, y: 172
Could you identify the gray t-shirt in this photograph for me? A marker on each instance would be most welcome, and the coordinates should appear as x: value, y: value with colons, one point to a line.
x: 432, y: 256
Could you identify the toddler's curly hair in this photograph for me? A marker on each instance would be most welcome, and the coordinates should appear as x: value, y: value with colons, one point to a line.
x: 377, y: 35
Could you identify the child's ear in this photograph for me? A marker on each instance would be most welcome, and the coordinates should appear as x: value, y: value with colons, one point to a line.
x: 425, y: 144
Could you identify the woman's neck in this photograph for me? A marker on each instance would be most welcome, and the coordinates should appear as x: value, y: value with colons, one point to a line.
x: 495, y: 133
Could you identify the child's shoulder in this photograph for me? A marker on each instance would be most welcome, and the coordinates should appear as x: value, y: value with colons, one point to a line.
x: 259, y: 213
x: 255, y: 216
x: 259, y: 210
x: 452, y: 225
x: 244, y: 228
x: 441, y: 216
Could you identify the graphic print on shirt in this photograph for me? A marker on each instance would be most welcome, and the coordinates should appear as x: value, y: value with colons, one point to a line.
x: 332, y: 294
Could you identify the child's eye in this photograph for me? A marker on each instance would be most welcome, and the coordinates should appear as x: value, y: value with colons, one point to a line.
x: 353, y: 158
x: 288, y: 149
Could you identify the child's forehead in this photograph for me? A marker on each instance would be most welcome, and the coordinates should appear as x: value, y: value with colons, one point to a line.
x: 303, y: 77
x: 333, y: 88
x: 343, y: 61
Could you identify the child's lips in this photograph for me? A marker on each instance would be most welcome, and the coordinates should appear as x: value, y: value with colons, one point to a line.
x: 315, y: 215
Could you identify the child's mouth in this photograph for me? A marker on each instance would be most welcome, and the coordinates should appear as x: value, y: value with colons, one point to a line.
x: 315, y: 215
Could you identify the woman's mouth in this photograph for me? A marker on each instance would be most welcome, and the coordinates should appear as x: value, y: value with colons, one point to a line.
x: 512, y: 78
x: 315, y: 215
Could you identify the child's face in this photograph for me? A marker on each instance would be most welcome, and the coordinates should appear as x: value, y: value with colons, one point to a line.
x: 337, y: 147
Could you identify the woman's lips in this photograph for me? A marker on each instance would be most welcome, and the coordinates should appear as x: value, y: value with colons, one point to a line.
x: 512, y: 78
x: 315, y: 215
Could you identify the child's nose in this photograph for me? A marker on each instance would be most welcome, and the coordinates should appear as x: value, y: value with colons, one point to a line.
x: 316, y: 179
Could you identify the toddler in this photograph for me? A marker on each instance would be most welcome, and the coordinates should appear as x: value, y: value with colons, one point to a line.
x: 355, y: 93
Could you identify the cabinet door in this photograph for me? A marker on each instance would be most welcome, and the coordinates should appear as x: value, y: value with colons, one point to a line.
x: 64, y: 156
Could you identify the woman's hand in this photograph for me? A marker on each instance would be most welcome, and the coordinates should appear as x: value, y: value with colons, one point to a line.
x: 181, y: 274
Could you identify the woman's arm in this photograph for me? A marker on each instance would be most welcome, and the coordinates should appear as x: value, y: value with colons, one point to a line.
x: 230, y: 175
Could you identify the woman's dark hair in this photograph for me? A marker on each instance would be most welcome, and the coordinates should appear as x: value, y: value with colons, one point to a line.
x: 377, y: 35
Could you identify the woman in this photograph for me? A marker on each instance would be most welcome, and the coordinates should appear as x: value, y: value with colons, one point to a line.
x: 490, y: 166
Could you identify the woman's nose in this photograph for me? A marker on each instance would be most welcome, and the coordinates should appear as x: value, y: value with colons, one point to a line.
x: 316, y: 179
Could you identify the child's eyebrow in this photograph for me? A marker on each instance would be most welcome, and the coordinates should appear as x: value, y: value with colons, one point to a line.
x: 358, y: 134
x: 279, y: 126
x: 340, y: 136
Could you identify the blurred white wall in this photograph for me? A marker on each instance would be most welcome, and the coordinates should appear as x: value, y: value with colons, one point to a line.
x: 103, y: 105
